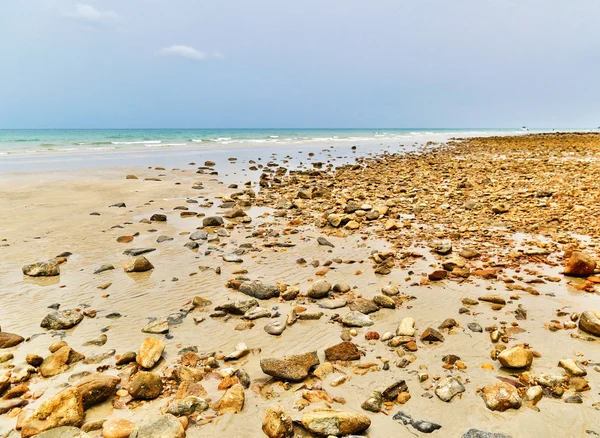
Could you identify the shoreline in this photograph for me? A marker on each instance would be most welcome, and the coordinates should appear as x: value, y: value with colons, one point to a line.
x: 508, y: 244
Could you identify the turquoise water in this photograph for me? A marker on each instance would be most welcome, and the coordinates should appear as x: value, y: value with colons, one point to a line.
x: 75, y: 141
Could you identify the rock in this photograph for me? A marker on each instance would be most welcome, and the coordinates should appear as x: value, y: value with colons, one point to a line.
x: 158, y: 217
x: 61, y: 320
x: 145, y: 385
x: 138, y: 251
x: 391, y: 392
x: 64, y: 432
x: 420, y: 425
x: 232, y: 258
x: 406, y: 327
x: 448, y: 388
x: 103, y: 268
x: 8, y: 340
x: 438, y: 275
x: 579, y: 264
x: 259, y: 290
x: 476, y: 433
x: 499, y: 208
x: 335, y: 220
x: 357, y: 319
x: 343, y: 351
x: 533, y: 395
x: 324, y: 242
x: 10, y: 404
x: 188, y: 406
x: 240, y: 351
x: 277, y: 423
x: 238, y: 307
x: 96, y: 388
x: 117, y: 428
x: 232, y: 401
x: 213, y: 221
x: 443, y: 249
x: 275, y: 328
x: 294, y: 367
x: 469, y: 253
x: 331, y: 304
x: 589, y: 322
x: 64, y: 409
x: 572, y: 367
x: 139, y: 264
x: 373, y: 403
x: 501, y: 396
x: 150, y: 352
x: 341, y: 287
x: 384, y: 301
x: 159, y: 326
x: 432, y: 335
x: 256, y: 313
x: 166, y: 426
x: 363, y: 306
x: 516, y: 357
x: 162, y: 239
x: 474, y: 327
x: 324, y: 422
x: 51, y: 268
x: 199, y: 235
x: 495, y: 299
x: 319, y: 289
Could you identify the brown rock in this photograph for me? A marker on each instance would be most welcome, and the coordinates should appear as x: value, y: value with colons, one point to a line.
x: 232, y: 401
x: 432, y: 335
x: 8, y: 340
x: 579, y: 264
x: 145, y: 386
x: 139, y: 264
x: 150, y: 352
x: 342, y: 351
x: 65, y: 409
x: 96, y: 388
x: 326, y: 422
x: 501, y: 396
x: 293, y: 367
x: 277, y: 423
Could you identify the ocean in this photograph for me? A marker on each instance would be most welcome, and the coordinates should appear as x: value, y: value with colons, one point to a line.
x: 37, y: 142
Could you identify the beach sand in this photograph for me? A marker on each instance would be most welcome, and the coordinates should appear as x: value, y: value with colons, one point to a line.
x: 44, y: 214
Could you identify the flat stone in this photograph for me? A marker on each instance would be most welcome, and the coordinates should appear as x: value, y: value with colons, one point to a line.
x: 232, y: 258
x: 159, y: 326
x: 61, y: 320
x: 238, y: 307
x: 501, y: 396
x: 324, y: 422
x: 64, y: 409
x: 357, y: 319
x: 259, y: 290
x: 103, y: 268
x: 294, y: 367
x: 165, y: 426
x: 476, y: 433
x: 8, y: 340
x: 150, y: 352
x: 344, y: 351
x: 448, y: 388
x: 138, y: 251
x: 334, y: 303
x: 51, y: 268
x: 145, y: 385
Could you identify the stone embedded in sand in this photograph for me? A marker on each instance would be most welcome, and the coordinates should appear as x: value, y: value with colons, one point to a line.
x: 335, y: 220
x: 572, y: 367
x: 257, y: 313
x: 324, y: 242
x: 373, y: 403
x: 384, y: 302
x: 139, y: 264
x: 357, y: 319
x: 158, y: 217
x: 232, y: 257
x: 166, y: 426
x: 259, y: 290
x: 199, y: 235
x: 324, y: 422
x: 150, y: 352
x: 579, y: 264
x: 275, y: 328
x: 406, y: 327
x: 51, y: 268
x: 213, y: 221
x: 334, y: 303
x: 469, y: 253
x: 61, y: 320
x: 319, y: 289
x: 187, y: 406
x: 64, y: 432
x: 232, y: 401
x: 8, y: 340
x: 438, y: 275
x: 501, y: 396
x: 500, y: 208
x: 240, y: 351
x: 295, y: 367
x: 277, y: 423
x: 145, y: 385
x: 134, y: 252
x: 105, y: 267
x: 117, y: 428
x: 432, y: 335
x: 448, y: 388
x: 391, y: 392
x: 343, y: 351
x: 516, y: 357
x: 589, y: 322
x: 64, y: 409
x: 96, y: 388
x: 238, y: 307
x: 159, y: 326
x: 476, y: 433
x: 495, y: 299
x: 59, y: 361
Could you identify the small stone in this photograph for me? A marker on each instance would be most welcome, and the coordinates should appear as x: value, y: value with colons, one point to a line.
x: 166, y: 426
x: 324, y: 422
x: 501, y: 396
x: 572, y: 367
x: 145, y: 386
x: 373, y: 403
x: 357, y: 319
x: 516, y: 357
x: 344, y: 351
x: 432, y: 335
x: 406, y: 327
x: 294, y: 368
x: 8, y: 340
x: 61, y: 320
x: 277, y: 423
x: 159, y: 326
x: 51, y: 268
x: 117, y: 428
x: 232, y: 401
x: 139, y: 264
x: 448, y: 388
x: 275, y: 328
x: 150, y: 352
x: 319, y: 289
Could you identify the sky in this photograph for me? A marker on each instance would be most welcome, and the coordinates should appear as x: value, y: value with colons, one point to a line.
x: 299, y: 64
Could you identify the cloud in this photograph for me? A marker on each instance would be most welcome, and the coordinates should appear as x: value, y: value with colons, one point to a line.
x: 183, y: 51
x: 90, y: 15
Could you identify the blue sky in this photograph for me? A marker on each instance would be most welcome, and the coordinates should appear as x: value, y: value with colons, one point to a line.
x: 309, y: 63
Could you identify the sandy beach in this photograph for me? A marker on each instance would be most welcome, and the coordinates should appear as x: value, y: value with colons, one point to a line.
x: 440, y: 265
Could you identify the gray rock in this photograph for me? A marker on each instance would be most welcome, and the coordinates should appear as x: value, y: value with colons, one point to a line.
x: 138, y: 251
x: 476, y: 433
x: 257, y: 313
x: 166, y: 426
x: 199, y: 235
x: 61, y: 320
x: 324, y: 242
x: 159, y: 326
x: 357, y: 319
x: 335, y: 303
x: 162, y: 239
x: 238, y: 307
x: 275, y: 328
x: 474, y: 327
x: 51, y: 268
x: 106, y: 267
x: 319, y: 289
x: 259, y: 290
x: 213, y: 221
x: 232, y: 258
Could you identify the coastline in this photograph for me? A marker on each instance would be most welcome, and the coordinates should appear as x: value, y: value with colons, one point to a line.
x: 47, y: 213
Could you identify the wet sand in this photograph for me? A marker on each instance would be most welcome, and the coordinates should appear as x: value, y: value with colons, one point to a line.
x: 45, y: 214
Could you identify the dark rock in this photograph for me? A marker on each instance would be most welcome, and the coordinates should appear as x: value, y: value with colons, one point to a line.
x: 343, y: 351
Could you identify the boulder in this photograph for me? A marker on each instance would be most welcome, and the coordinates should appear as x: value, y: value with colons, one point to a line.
x: 325, y: 422
x: 96, y: 388
x: 277, y: 423
x: 294, y: 367
x: 138, y: 264
x: 501, y: 396
x: 150, y: 352
x: 516, y: 357
x: 579, y: 264
x: 51, y: 268
x: 61, y: 320
x: 64, y: 409
x: 589, y: 322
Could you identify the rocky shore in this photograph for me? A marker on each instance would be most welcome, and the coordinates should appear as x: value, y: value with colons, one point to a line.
x: 450, y: 291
